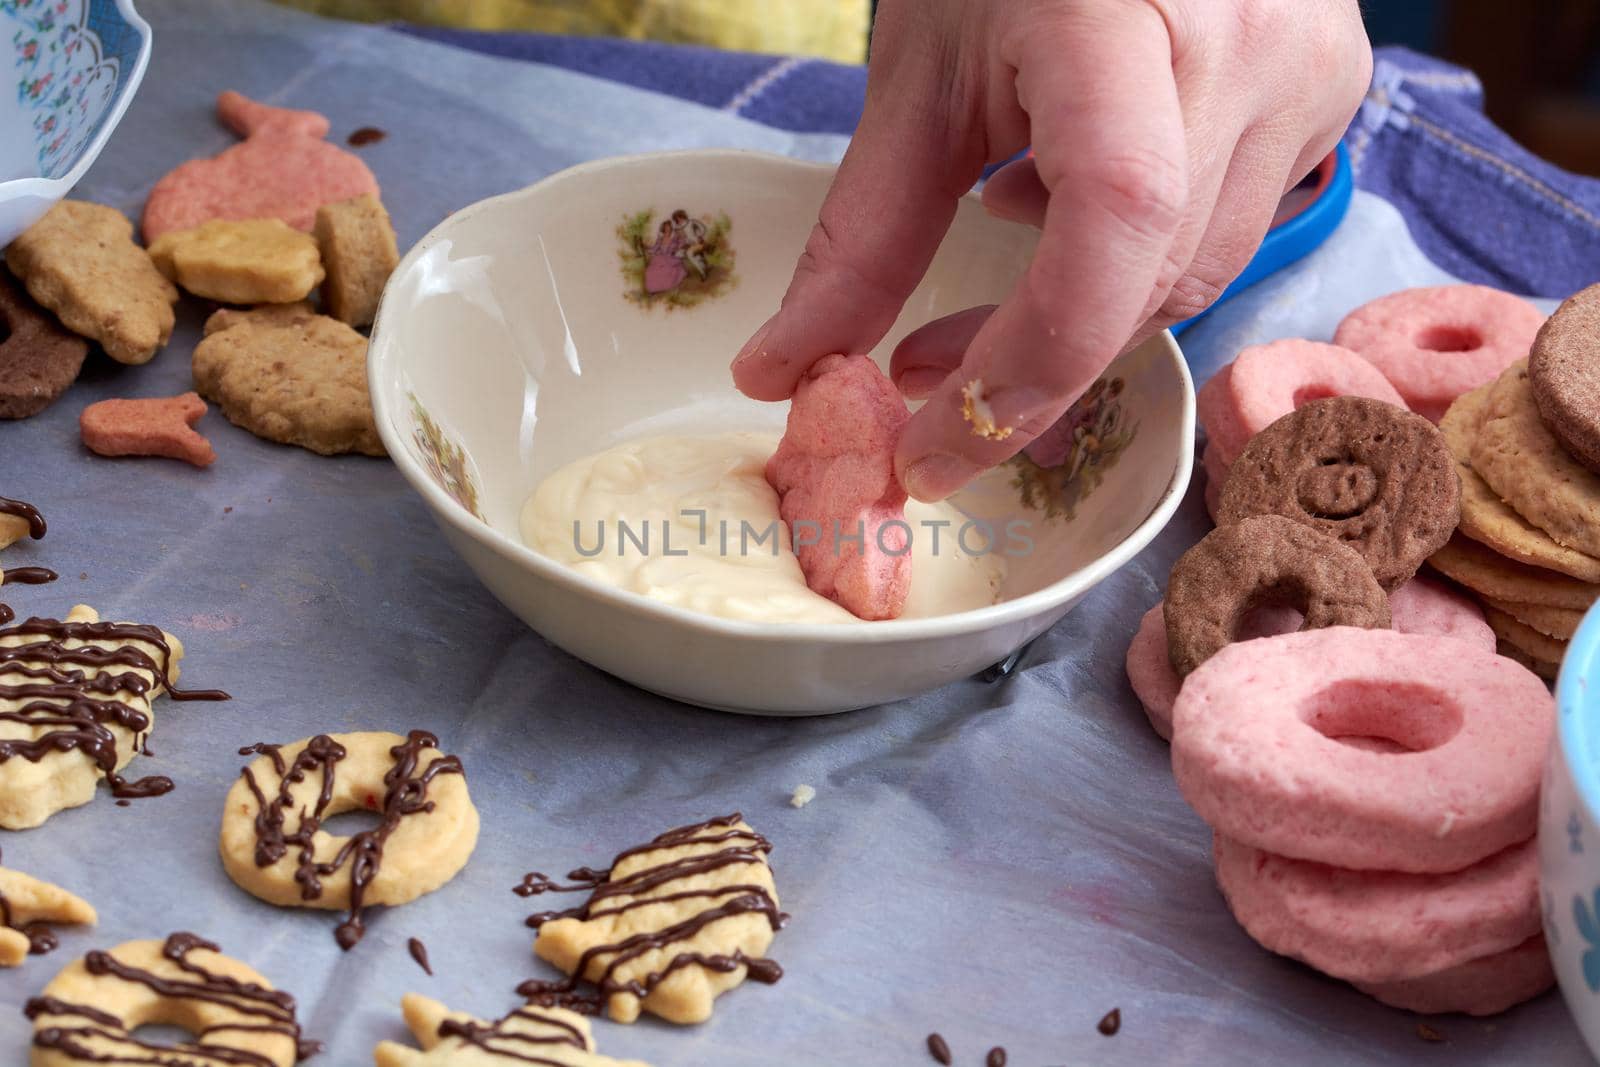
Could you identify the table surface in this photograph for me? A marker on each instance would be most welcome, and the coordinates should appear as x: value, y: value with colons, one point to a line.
x: 1003, y: 863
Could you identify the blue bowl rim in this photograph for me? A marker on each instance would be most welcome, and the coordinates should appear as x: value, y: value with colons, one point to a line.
x: 59, y: 187
x: 1582, y: 663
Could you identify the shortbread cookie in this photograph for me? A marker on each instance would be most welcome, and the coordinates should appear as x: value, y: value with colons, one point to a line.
x: 1367, y: 473
x: 90, y: 1012
x: 75, y: 702
x: 290, y: 378
x: 1513, y: 632
x: 1488, y: 519
x: 148, y: 426
x: 26, y: 904
x: 1493, y: 575
x: 669, y: 927
x: 1485, y: 986
x: 358, y: 250
x: 1565, y: 376
x: 834, y: 475
x: 1559, y: 623
x: 81, y: 262
x: 19, y: 519
x: 1522, y: 461
x: 1547, y: 670
x: 247, y: 261
x: 1436, y: 343
x: 283, y: 169
x: 552, y: 1036
x: 273, y: 845
x: 39, y: 359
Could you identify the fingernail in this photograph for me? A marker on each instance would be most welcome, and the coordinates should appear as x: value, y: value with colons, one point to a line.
x: 935, y: 477
x: 753, y: 346
x: 919, y: 383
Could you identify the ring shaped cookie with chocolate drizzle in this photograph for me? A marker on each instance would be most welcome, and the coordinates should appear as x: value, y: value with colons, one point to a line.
x: 669, y: 926
x: 1367, y: 473
x: 555, y: 1037
x: 90, y: 1011
x: 273, y: 845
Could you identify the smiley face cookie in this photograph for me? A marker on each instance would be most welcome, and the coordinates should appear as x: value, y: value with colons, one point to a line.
x: 91, y: 1011
x: 81, y: 262
x: 26, y: 904
x: 245, y: 261
x: 558, y: 1037
x: 290, y: 377
x: 668, y: 928
x: 273, y: 845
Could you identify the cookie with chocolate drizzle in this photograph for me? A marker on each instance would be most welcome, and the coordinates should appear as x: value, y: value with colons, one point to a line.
x: 74, y: 708
x: 552, y: 1037
x: 273, y: 844
x: 668, y: 927
x: 26, y: 905
x: 90, y: 1011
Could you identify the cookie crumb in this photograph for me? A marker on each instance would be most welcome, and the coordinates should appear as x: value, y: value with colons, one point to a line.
x: 979, y: 415
x: 996, y: 1057
x: 228, y: 510
x: 83, y: 576
x: 803, y: 795
x: 1110, y: 1023
x: 939, y: 1049
x: 364, y: 136
x: 1429, y: 1034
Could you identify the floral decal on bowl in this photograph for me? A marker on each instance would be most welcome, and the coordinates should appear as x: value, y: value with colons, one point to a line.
x: 445, y: 459
x: 1067, y: 462
x: 1584, y: 918
x: 677, y: 262
x: 68, y: 58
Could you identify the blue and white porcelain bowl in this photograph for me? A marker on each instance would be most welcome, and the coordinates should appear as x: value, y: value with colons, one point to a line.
x: 71, y: 68
x: 1569, y: 831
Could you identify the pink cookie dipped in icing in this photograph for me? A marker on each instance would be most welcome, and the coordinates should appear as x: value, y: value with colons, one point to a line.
x: 1257, y: 748
x: 1433, y: 344
x: 1269, y: 381
x: 280, y: 170
x: 1485, y: 986
x: 834, y: 473
x: 1213, y: 408
x: 1426, y: 606
x: 1380, y: 926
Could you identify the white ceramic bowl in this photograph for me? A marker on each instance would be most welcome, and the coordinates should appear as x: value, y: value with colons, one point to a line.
x: 70, y: 69
x: 520, y: 335
x: 1569, y: 831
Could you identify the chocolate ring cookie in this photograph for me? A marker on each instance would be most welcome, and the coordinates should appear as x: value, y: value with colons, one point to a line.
x: 1361, y: 471
x: 39, y: 358
x: 1265, y: 561
x: 1566, y: 378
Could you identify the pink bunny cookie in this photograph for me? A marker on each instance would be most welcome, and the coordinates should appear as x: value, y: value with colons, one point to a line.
x: 1434, y: 344
x: 1257, y: 748
x: 834, y: 473
x: 282, y: 169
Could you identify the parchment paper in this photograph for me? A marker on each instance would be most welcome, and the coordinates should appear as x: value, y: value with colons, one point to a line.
x: 1003, y: 863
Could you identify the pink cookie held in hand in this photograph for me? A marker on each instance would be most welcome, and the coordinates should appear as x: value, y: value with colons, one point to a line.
x: 154, y: 426
x: 834, y: 473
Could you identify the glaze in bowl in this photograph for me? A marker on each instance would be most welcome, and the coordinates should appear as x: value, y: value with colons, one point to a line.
x: 534, y: 328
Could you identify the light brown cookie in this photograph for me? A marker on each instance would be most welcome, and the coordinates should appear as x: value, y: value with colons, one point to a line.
x: 555, y: 1036
x: 1481, y: 570
x: 249, y: 261
x: 81, y: 262
x: 289, y: 377
x: 1522, y: 461
x: 1535, y: 644
x: 1559, y: 623
x: 1546, y: 670
x: 25, y: 904
x: 359, y: 252
x: 1488, y: 519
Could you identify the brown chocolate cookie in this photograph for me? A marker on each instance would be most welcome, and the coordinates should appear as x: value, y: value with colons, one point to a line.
x: 1265, y: 561
x: 39, y: 357
x: 1564, y: 367
x: 1361, y: 471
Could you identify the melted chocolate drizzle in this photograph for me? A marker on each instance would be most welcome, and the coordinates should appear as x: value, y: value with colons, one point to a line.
x: 939, y: 1049
x: 29, y: 576
x: 75, y: 694
x: 272, y: 1012
x: 405, y: 793
x: 26, y: 512
x: 500, y: 1042
x: 722, y: 902
x: 419, y: 952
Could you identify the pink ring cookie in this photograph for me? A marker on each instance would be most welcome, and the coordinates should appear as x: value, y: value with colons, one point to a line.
x: 1486, y: 986
x: 1425, y: 606
x: 1380, y: 926
x: 1434, y: 344
x: 1256, y: 748
x: 1271, y: 380
x: 1214, y: 410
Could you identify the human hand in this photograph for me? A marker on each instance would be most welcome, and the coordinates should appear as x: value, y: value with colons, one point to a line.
x: 1164, y: 133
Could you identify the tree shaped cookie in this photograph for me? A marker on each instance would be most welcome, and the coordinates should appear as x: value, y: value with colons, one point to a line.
x: 25, y: 905
x: 669, y: 927
x: 553, y: 1036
